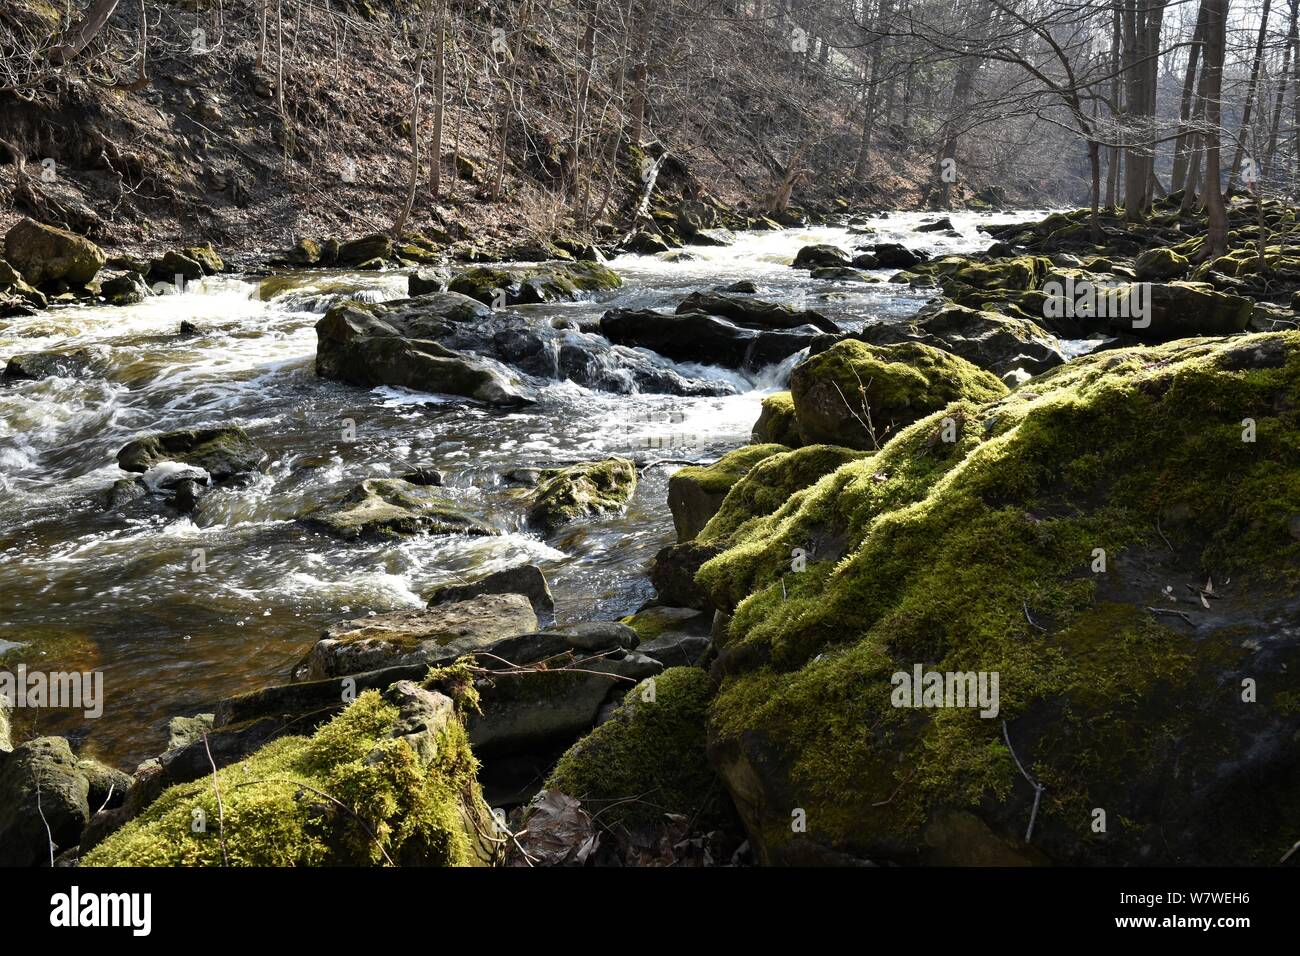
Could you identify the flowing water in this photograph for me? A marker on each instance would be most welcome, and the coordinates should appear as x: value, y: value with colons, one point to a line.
x: 85, y: 588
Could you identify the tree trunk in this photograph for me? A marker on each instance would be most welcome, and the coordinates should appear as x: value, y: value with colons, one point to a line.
x: 1185, y: 107
x: 1293, y: 35
x: 1216, y: 237
x: 439, y: 102
x: 1240, y: 151
x: 83, y: 33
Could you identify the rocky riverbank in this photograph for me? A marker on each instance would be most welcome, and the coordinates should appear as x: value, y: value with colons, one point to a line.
x: 1074, y: 471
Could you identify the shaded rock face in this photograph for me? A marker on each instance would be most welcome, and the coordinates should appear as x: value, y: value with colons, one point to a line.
x: 755, y: 313
x: 1039, y: 548
x: 45, y: 254
x: 1182, y: 309
x: 403, y: 755
x: 222, y: 452
x: 892, y: 255
x: 672, y: 572
x: 580, y: 491
x: 381, y: 507
x: 706, y: 339
x: 527, y: 579
x: 439, y: 634
x: 857, y: 395
x: 439, y: 342
x: 46, y: 764
x: 357, y: 252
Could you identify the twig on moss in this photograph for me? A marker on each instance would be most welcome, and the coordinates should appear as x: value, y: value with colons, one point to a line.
x: 49, y: 835
x: 1038, y: 787
x: 1168, y: 610
x: 334, y: 800
x: 1289, y: 853
x: 1025, y: 605
x: 221, y: 810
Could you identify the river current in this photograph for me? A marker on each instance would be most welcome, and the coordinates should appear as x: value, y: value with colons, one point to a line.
x: 83, y: 588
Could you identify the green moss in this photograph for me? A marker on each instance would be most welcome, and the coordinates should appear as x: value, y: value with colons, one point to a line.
x: 857, y: 395
x: 718, y: 477
x: 649, y: 758
x: 348, y: 795
x: 581, y: 491
x: 975, y: 555
x: 776, y: 422
x: 769, y: 485
x: 543, y: 283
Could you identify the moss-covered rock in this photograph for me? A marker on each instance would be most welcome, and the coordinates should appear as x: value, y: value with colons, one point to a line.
x: 1175, y: 310
x: 776, y: 421
x: 1114, y: 543
x: 222, y: 452
x: 356, y: 252
x: 769, y: 484
x: 48, y: 254
x: 856, y: 395
x: 522, y: 285
x: 390, y: 780
x: 1160, y: 265
x: 648, y: 759
x: 207, y: 257
x: 695, y: 493
x: 580, y: 491
x: 820, y: 256
x: 43, y: 800
x: 392, y: 506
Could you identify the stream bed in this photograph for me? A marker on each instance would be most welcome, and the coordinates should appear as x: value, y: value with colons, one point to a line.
x: 83, y: 588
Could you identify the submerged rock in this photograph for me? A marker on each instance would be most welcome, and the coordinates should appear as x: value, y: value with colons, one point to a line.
x: 563, y: 495
x: 46, y: 254
x: 79, y: 363
x: 857, y: 395
x: 439, y: 634
x: 221, y: 452
x: 391, y: 506
x: 1113, y: 541
x: 403, y: 758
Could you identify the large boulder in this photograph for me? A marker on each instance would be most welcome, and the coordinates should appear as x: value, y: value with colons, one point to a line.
x: 359, y: 347
x: 585, y: 490
x: 1117, y: 567
x: 893, y: 255
x: 383, y: 507
x: 78, y: 363
x: 44, y: 799
x: 989, y: 340
x: 858, y: 395
x: 523, y: 285
x: 818, y: 256
x: 364, y: 250
x: 390, y: 780
x: 438, y: 634
x: 46, y: 254
x: 756, y: 313
x: 1160, y: 265
x: 707, y: 339
x: 695, y: 493
x: 1176, y: 310
x: 223, y: 453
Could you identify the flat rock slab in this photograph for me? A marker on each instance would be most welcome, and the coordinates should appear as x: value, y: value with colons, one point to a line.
x: 437, y: 634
